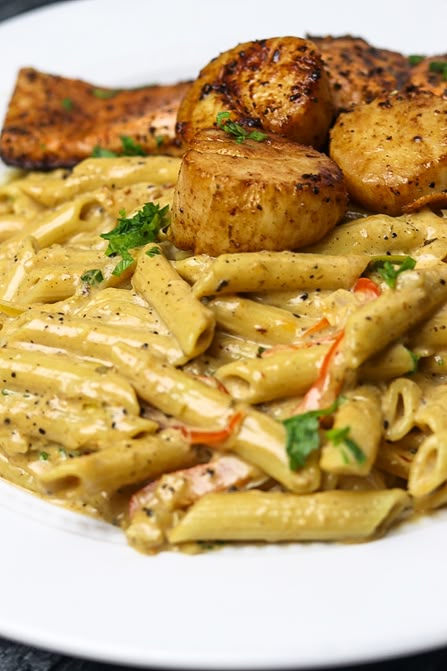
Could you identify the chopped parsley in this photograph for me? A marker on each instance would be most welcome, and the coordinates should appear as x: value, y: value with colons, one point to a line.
x: 44, y: 456
x: 415, y: 59
x: 93, y: 277
x: 224, y: 122
x: 67, y: 104
x: 129, y: 148
x: 440, y: 67
x: 303, y: 434
x: 153, y: 251
x: 389, y: 273
x: 134, y: 232
x: 439, y: 360
x: 105, y: 94
x: 340, y: 438
x: 415, y: 359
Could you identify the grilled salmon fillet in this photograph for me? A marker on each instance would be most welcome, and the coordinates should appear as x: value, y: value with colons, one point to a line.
x: 55, y: 121
x: 359, y: 72
x: 431, y: 75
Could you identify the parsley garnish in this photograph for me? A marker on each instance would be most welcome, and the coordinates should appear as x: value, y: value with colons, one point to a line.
x: 340, y: 438
x: 241, y: 134
x: 389, y: 273
x: 105, y: 94
x: 415, y: 59
x: 129, y: 148
x: 440, y: 67
x: 133, y: 232
x: 303, y: 434
x: 67, y: 104
x: 153, y: 251
x: 44, y: 456
x: 93, y: 276
x: 415, y: 359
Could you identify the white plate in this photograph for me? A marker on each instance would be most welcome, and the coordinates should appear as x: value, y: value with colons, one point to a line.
x: 72, y: 584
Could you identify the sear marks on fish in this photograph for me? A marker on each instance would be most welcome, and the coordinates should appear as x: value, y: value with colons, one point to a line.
x: 359, y: 72
x: 431, y: 75
x: 55, y: 121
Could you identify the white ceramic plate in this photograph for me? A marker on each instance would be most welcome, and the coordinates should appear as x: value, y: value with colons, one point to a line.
x: 72, y: 584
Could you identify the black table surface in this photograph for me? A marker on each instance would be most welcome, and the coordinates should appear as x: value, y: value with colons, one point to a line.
x: 18, y: 657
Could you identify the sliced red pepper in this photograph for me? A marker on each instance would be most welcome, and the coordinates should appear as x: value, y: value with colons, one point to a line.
x: 323, y: 387
x: 366, y: 288
x: 212, y: 382
x: 198, y: 436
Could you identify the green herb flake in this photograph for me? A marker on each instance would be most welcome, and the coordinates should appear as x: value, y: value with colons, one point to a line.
x: 340, y: 438
x: 135, y: 231
x: 67, y: 104
x: 415, y: 358
x: 153, y: 251
x: 99, y: 152
x: 415, y: 59
x: 224, y: 122
x: 93, y: 277
x: 105, y: 94
x: 159, y: 139
x: 6, y: 392
x: 389, y: 273
x: 44, y: 456
x: 303, y: 434
x: 439, y: 360
x: 439, y: 67
x: 130, y: 147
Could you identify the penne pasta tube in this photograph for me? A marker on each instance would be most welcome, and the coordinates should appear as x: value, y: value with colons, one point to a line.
x: 86, y: 337
x: 12, y: 224
x: 275, y: 516
x: 395, y: 361
x: 158, y: 282
x: 380, y: 322
x: 428, y: 470
x: 192, y: 267
x: 280, y: 375
x: 94, y: 173
x: 268, y: 271
x: 70, y: 424
x: 28, y: 372
x: 400, y: 403
x: 124, y: 463
x: 264, y: 324
x: 360, y: 409
x: 11, y: 281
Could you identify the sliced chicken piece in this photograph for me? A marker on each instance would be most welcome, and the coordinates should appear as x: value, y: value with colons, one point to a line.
x: 278, y: 85
x: 250, y: 196
x: 431, y: 75
x: 392, y: 151
x: 359, y: 72
x: 54, y: 121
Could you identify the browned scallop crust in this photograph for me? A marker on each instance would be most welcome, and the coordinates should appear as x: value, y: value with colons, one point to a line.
x: 273, y: 195
x: 359, y: 72
x: 278, y: 85
x: 54, y: 121
x: 424, y: 77
x: 393, y: 151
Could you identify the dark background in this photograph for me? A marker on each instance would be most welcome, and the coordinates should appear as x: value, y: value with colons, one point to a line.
x: 18, y: 657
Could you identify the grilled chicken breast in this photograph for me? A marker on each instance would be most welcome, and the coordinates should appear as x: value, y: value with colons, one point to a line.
x: 431, y: 75
x: 54, y: 122
x: 392, y: 151
x: 250, y: 196
x: 278, y: 85
x: 359, y: 72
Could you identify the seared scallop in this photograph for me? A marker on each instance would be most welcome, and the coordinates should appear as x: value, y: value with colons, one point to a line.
x: 393, y: 151
x: 250, y: 196
x: 278, y: 85
x: 359, y: 72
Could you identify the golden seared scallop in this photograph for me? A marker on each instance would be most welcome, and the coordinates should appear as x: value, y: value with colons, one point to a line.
x: 249, y: 196
x: 359, y: 72
x: 430, y: 74
x: 278, y: 85
x: 393, y: 151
